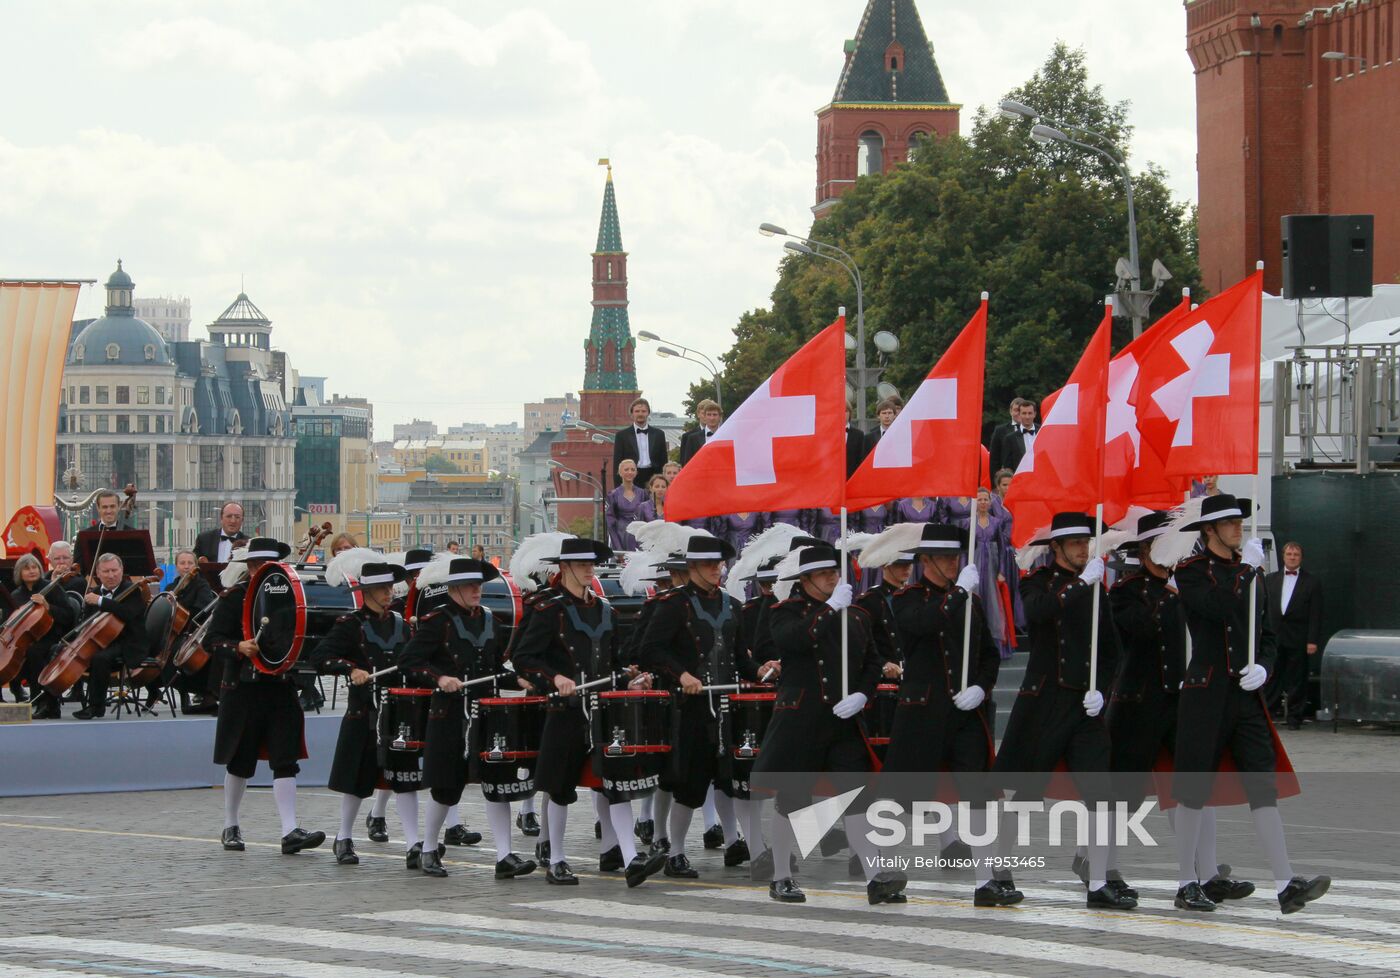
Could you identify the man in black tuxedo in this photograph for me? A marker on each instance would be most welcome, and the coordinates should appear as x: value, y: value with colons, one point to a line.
x: 1295, y: 616
x: 709, y: 415
x: 217, y: 545
x: 855, y: 445
x: 112, y: 592
x: 1010, y: 442
x: 109, y: 512
x: 641, y: 443
x: 885, y: 412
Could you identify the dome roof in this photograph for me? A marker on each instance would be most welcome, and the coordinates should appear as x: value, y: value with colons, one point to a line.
x: 119, y: 340
x: 119, y: 279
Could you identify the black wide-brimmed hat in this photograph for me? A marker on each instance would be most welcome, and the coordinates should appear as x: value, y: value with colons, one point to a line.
x: 1151, y: 526
x: 375, y: 574
x: 465, y: 570
x: 266, y: 548
x: 767, y: 571
x: 796, y: 543
x: 702, y: 546
x: 811, y: 559
x: 417, y: 559
x: 675, y: 562
x: 1067, y: 526
x: 939, y: 538
x: 581, y: 549
x: 1221, y: 507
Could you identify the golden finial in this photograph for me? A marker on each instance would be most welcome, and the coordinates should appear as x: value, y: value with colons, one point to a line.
x: 607, y: 163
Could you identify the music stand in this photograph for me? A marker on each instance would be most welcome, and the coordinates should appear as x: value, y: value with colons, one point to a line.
x: 132, y: 546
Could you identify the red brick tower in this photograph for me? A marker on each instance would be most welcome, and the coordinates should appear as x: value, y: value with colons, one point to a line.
x: 890, y: 95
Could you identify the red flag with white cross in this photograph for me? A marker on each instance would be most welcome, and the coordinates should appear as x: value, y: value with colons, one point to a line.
x: 933, y: 447
x: 782, y: 448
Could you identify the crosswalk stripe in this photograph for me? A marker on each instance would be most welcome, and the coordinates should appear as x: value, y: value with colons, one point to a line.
x: 753, y: 951
x: 1194, y: 929
x: 198, y: 958
x: 598, y: 966
x: 987, y: 944
x: 28, y: 971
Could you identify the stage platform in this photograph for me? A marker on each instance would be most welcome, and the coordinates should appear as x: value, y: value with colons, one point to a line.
x: 57, y: 757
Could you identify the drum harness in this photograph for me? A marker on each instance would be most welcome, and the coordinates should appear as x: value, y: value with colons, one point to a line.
x: 478, y: 642
x: 717, y: 650
x: 389, y: 646
x: 595, y: 635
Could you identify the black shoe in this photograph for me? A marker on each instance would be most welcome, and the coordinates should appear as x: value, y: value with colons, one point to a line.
x: 1193, y: 897
x: 344, y: 850
x: 1301, y: 891
x: 512, y: 866
x: 833, y: 842
x: 645, y: 830
x: 413, y: 859
x: 232, y: 839
x: 431, y: 864
x: 560, y: 874
x: 886, y: 887
x: 662, y: 844
x: 151, y: 700
x: 460, y: 835
x: 85, y: 714
x: 1221, y: 888
x: 993, y: 894
x: 1008, y: 889
x: 855, y: 869
x: 542, y: 852
x: 298, y: 839
x: 378, y: 829
x: 20, y: 695
x: 611, y: 861
x: 597, y: 829
x: 1080, y: 867
x: 714, y: 837
x: 646, y: 864
x: 1108, y: 898
x: 786, y: 891
x: 1120, y: 886
x: 737, y: 854
x: 680, y: 868
x: 528, y: 823
x: 957, y: 849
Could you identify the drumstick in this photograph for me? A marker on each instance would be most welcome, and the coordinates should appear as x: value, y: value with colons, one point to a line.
x: 262, y: 627
x: 589, y: 685
x: 764, y: 678
x: 383, y: 672
x: 731, y: 688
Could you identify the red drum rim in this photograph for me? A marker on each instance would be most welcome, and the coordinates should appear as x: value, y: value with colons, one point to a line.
x: 512, y: 700
x: 508, y: 755
x: 634, y: 694
x: 878, y: 741
x: 637, y: 749
x: 409, y: 745
x: 752, y: 697
x: 887, y: 688
x: 409, y: 691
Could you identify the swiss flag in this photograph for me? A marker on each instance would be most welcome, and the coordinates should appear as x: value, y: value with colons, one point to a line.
x: 782, y: 448
x: 1199, y: 384
x: 1064, y: 468
x: 933, y: 446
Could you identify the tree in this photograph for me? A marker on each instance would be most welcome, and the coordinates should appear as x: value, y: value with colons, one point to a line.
x: 440, y: 463
x: 1039, y: 227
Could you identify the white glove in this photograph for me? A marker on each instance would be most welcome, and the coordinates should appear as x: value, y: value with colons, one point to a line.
x: 1093, y: 571
x: 1171, y: 582
x: 1093, y: 702
x: 1253, y: 553
x: 970, y: 698
x: 969, y: 579
x: 849, y: 706
x: 841, y: 597
x: 1253, y: 677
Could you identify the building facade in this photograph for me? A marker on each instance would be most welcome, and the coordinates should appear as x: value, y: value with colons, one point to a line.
x: 191, y: 424
x: 170, y: 315
x: 1283, y: 130
x: 415, y: 429
x: 890, y: 96
x: 504, y: 443
x: 551, y: 414
x: 335, y: 463
x: 469, y: 456
x: 437, y: 512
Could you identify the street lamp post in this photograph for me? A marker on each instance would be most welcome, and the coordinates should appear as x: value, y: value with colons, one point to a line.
x: 671, y: 348
x: 567, y: 474
x: 1343, y: 56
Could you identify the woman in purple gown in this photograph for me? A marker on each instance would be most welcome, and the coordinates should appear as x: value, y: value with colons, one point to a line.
x: 799, y: 518
x: 826, y: 524
x: 655, y: 506
x: 737, y: 529
x: 624, y: 505
x: 919, y: 509
x: 996, y: 565
x: 872, y: 521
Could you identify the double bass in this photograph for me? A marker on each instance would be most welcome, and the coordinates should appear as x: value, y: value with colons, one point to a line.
x: 24, y: 627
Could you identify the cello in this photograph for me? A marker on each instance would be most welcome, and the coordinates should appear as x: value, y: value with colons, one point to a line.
x: 74, y: 656
x: 23, y: 628
x: 166, y: 619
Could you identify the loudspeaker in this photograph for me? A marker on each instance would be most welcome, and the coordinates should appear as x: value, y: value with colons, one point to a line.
x: 1327, y: 255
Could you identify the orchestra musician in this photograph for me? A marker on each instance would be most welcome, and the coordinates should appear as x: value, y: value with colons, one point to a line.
x: 29, y: 580
x: 194, y: 596
x: 112, y: 592
x: 217, y: 545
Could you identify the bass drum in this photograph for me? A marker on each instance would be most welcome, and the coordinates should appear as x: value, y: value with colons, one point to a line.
x: 159, y: 614
x: 274, y: 614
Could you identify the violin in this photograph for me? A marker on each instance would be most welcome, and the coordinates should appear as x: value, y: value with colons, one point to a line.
x: 25, y: 626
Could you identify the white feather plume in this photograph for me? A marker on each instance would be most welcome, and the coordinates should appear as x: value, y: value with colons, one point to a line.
x: 886, y: 546
x: 772, y: 542
x: 640, y: 570
x: 787, y: 567
x: 661, y: 536
x: 1178, y: 543
x: 436, y: 570
x: 1029, y: 557
x: 1120, y: 533
x: 399, y: 557
x: 345, y: 566
x: 529, y: 557
x: 400, y: 589
x: 236, y: 569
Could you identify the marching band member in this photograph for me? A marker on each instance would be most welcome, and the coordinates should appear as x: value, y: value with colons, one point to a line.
x: 257, y: 712
x: 1221, y: 706
x: 748, y: 808
x: 878, y: 603
x: 456, y: 643
x: 368, y: 640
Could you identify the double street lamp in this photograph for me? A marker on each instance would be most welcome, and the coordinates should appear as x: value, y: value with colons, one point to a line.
x: 567, y: 474
x: 670, y: 348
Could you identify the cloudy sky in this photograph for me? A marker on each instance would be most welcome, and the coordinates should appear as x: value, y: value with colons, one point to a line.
x: 410, y: 191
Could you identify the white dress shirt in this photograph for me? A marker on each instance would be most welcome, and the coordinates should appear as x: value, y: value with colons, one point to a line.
x: 643, y: 448
x: 225, y: 548
x: 1290, y: 581
x: 1028, y: 436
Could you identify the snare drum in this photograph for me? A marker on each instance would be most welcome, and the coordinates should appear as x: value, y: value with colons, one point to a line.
x: 627, y: 722
x: 403, y: 720
x: 746, y: 717
x: 511, y: 728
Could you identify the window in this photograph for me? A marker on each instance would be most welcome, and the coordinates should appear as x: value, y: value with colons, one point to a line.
x: 160, y: 395
x: 165, y: 466
x: 871, y: 155
x: 83, y: 393
x: 85, y: 422
x: 102, y: 423
x: 143, y: 395
x: 78, y: 352
x: 114, y: 351
x: 102, y: 395
x: 123, y: 395
x: 143, y: 423
x: 150, y: 351
x: 72, y: 395
x: 123, y: 424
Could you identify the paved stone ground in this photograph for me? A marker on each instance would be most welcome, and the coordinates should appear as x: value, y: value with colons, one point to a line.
x: 135, y: 884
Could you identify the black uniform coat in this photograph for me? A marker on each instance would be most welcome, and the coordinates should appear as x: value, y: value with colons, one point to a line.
x: 259, y: 715
x: 130, y: 609
x: 467, y: 645
x: 364, y: 640
x: 680, y: 640
x: 1215, y: 714
x: 1142, y: 710
x: 1048, y: 724
x: 804, y: 734
x: 930, y: 733
x: 878, y: 603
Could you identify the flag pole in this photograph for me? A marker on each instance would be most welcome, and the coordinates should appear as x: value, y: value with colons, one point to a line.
x: 971, y: 545
x: 845, y: 659
x: 1098, y: 532
x: 1254, y: 523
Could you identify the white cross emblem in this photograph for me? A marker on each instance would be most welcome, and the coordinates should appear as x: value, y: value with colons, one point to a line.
x: 1064, y: 411
x: 1122, y: 416
x: 935, y: 400
x: 760, y: 421
x: 1207, y: 375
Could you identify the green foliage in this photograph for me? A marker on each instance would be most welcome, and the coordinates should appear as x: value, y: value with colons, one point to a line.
x: 440, y: 463
x: 1039, y: 227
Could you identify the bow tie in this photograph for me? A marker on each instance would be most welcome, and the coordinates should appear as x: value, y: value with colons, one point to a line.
x: 1290, y: 573
x: 641, y: 431
x: 225, y: 536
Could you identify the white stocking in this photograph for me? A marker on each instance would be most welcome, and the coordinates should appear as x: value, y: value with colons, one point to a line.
x: 556, y: 821
x: 1268, y: 826
x: 434, y: 817
x: 663, y: 814
x: 1206, y: 860
x: 498, y: 819
x: 680, y: 825
x: 234, y: 788
x: 724, y: 806
x: 857, y: 829
x: 783, y: 844
x: 711, y: 816
x: 406, y: 804
x: 1188, y: 836
x: 284, y: 792
x: 349, y: 811
x: 620, y: 815
x: 750, y: 812
x: 381, y: 802
x: 603, y: 812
